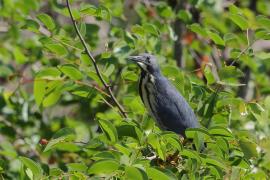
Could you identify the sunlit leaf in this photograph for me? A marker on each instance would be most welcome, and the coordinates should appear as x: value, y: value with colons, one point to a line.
x: 134, y: 173
x: 33, y: 166
x: 138, y: 30
x: 46, y: 20
x: 39, y: 90
x: 77, y: 167
x: 239, y: 21
x: 31, y: 25
x: 109, y: 129
x: 216, y: 38
x: 155, y: 173
x: 103, y: 167
x: 58, y: 49
x: 220, y: 131
x: 209, y: 75
x: 248, y: 147
x: 198, y: 29
x: 150, y: 28
x: 71, y: 71
x: 263, y: 21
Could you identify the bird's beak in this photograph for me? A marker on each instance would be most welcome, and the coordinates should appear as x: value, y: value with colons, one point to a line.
x: 135, y: 58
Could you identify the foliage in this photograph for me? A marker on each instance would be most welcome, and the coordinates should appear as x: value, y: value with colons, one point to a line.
x: 57, y: 120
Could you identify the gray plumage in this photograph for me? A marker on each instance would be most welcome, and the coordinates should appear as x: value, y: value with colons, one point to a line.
x: 164, y: 103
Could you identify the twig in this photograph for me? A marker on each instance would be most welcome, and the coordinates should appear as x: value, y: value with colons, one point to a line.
x: 57, y: 40
x: 244, y: 50
x: 108, y: 88
x: 241, y: 53
x: 93, y: 86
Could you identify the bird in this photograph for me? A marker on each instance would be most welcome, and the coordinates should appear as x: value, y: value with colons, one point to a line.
x: 162, y: 100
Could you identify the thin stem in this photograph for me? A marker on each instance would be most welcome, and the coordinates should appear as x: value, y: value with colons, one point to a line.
x: 247, y: 36
x: 108, y: 88
x: 241, y: 53
x: 57, y: 40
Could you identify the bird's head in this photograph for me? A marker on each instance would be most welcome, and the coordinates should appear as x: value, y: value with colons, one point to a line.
x: 146, y: 62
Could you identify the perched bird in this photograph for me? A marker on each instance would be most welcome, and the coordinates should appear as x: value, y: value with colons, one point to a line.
x: 164, y: 103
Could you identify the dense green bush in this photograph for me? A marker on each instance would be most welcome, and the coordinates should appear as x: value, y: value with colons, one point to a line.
x: 58, y: 121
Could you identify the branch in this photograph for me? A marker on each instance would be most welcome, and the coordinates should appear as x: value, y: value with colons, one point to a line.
x: 179, y: 29
x: 108, y: 88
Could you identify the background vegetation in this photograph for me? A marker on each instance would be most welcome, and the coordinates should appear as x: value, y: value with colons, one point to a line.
x: 58, y: 122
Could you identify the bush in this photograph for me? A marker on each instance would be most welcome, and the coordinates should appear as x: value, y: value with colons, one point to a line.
x: 58, y: 120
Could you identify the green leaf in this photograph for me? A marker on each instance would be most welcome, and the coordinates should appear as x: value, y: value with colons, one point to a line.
x: 93, y: 75
x: 249, y: 148
x: 105, y: 13
x: 52, y: 98
x: 166, y: 12
x: 5, y: 71
x: 109, y: 70
x: 89, y: 10
x: 75, y: 13
x: 64, y: 132
x: 220, y: 131
x: 31, y: 25
x: 71, y: 71
x: 103, y: 167
x: 106, y: 55
x: 129, y: 131
x: 198, y: 29
x: 216, y: 38
x: 223, y: 144
x: 263, y: 21
x: 67, y: 146
x: 19, y: 55
x: 150, y: 28
x: 191, y: 154
x: 77, y: 167
x: 61, y: 136
x: 138, y: 30
x: 155, y: 141
x: 33, y: 166
x: 46, y: 20
x: 262, y: 34
x: 190, y: 132
x: 173, y: 140
x: 209, y: 75
x: 228, y: 72
x: 85, y: 59
x: 128, y: 75
x: 230, y: 38
x: 104, y: 155
x: 109, y: 130
x: 184, y: 15
x: 58, y: 49
x: 39, y: 90
x: 134, y: 173
x: 214, y: 162
x: 55, y: 172
x: 240, y: 21
x: 156, y: 173
x: 49, y: 73
x: 55, y: 142
x: 7, y: 149
x: 234, y: 9
x: 82, y: 29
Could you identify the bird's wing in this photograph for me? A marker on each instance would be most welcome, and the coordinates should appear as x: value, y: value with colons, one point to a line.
x: 173, y: 110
